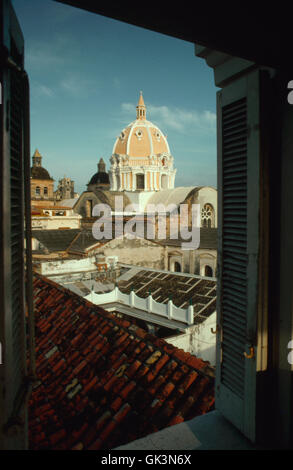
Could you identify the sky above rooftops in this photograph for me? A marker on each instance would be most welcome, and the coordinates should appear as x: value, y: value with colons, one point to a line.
x: 86, y: 72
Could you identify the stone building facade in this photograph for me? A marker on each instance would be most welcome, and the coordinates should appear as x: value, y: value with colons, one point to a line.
x: 65, y: 189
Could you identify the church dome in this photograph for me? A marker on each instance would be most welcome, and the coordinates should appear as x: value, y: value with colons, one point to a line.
x: 141, y: 158
x: 37, y: 171
x: 141, y: 138
x: 101, y: 177
x: 40, y: 173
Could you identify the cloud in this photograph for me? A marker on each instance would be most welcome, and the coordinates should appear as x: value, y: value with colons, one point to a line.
x: 41, y: 56
x: 128, y: 108
x: 182, y: 120
x: 56, y: 53
x: 79, y: 86
x: 176, y: 119
x: 71, y: 85
x: 40, y: 90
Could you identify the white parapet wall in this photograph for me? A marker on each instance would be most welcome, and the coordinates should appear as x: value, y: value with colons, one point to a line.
x: 168, y: 310
x: 198, y: 339
x: 68, y: 266
x: 56, y: 222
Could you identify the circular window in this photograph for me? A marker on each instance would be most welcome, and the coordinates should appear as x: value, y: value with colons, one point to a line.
x: 138, y: 134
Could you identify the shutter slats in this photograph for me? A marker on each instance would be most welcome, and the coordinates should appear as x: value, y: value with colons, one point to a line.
x: 234, y: 307
x: 16, y: 185
x: 234, y: 236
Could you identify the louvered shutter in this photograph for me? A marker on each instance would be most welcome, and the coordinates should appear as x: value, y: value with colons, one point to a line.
x: 13, y: 371
x: 238, y: 206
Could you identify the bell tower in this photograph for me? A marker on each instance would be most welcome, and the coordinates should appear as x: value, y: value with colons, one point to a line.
x: 141, y: 108
x: 37, y: 158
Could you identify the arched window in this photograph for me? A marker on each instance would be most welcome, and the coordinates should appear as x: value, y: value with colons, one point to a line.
x: 38, y: 191
x: 177, y: 267
x: 45, y: 191
x: 207, y: 216
x: 208, y: 272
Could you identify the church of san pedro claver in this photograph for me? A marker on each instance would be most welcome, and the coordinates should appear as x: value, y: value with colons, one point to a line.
x: 142, y: 173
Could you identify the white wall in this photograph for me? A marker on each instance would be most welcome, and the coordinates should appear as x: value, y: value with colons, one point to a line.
x: 148, y: 304
x: 66, y: 266
x: 198, y: 340
x: 56, y: 222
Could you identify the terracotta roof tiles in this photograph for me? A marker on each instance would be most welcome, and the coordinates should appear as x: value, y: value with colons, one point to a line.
x: 103, y: 381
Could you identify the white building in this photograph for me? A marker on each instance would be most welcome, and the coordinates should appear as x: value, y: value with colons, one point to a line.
x: 56, y: 217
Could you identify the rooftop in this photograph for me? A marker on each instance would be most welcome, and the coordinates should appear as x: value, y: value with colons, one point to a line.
x: 181, y: 288
x: 81, y: 241
x: 102, y: 381
x: 55, y: 240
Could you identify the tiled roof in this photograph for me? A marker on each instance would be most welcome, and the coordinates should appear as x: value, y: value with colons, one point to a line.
x: 85, y: 240
x: 55, y: 240
x: 103, y: 381
x: 208, y: 239
x: 82, y: 242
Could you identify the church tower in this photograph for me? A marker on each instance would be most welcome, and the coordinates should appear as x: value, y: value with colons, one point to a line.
x: 37, y: 159
x: 42, y: 185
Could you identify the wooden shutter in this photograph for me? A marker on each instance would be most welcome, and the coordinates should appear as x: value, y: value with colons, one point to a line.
x: 13, y: 299
x: 238, y: 250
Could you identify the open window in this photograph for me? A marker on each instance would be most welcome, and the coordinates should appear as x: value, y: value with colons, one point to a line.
x: 242, y: 349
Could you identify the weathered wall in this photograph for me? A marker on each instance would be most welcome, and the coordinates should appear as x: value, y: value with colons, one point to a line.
x: 207, y: 258
x: 68, y: 266
x: 199, y: 340
x: 51, y: 223
x: 191, y: 261
x: 138, y: 251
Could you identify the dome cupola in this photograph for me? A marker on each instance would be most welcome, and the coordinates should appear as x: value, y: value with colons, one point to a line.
x: 141, y: 158
x: 99, y: 180
x: 37, y: 171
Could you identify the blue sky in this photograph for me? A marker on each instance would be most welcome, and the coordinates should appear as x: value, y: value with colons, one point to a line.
x: 86, y: 72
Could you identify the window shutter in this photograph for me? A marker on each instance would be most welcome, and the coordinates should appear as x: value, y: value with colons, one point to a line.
x: 238, y: 208
x: 14, y: 258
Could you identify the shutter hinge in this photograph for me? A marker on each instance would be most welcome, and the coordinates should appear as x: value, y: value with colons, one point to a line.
x: 251, y: 353
x: 217, y: 330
